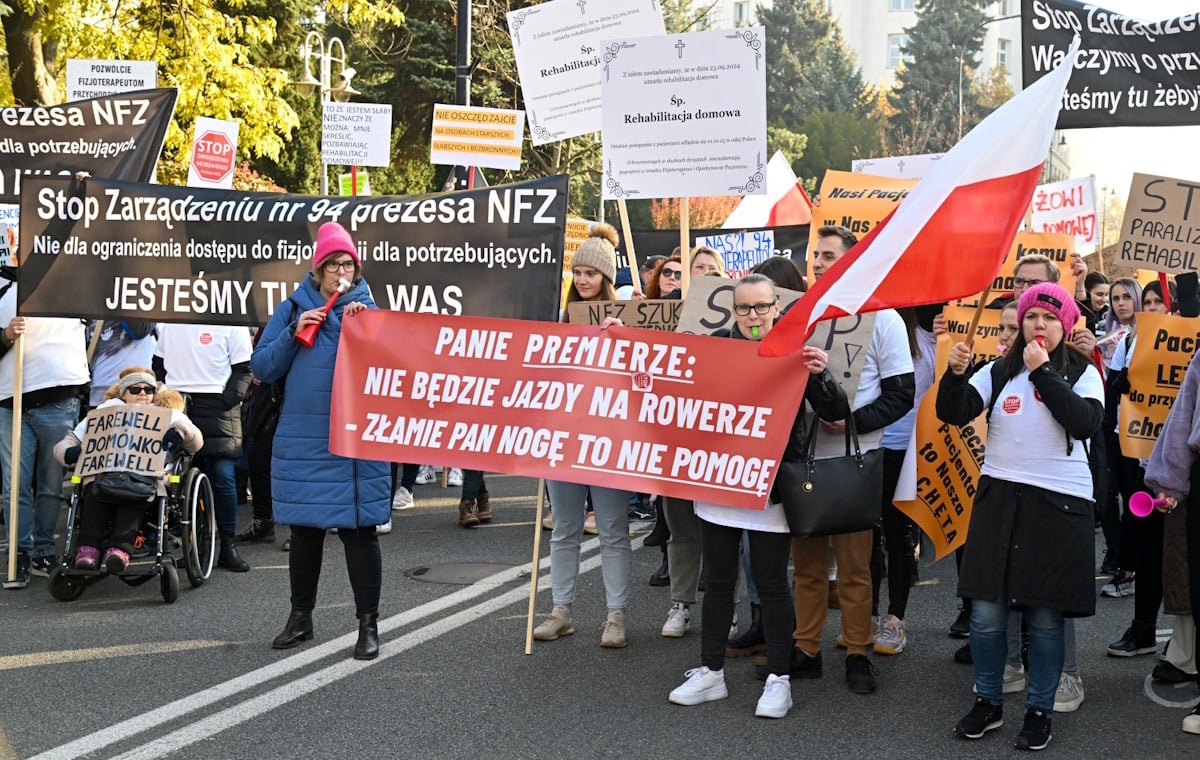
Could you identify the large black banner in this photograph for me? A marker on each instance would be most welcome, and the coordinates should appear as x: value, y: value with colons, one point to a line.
x: 112, y: 250
x: 118, y: 136
x: 1128, y: 73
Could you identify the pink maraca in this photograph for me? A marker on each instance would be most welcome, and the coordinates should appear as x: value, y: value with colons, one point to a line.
x: 1142, y: 504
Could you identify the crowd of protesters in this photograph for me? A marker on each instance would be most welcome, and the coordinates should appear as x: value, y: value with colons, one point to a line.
x: 1053, y: 472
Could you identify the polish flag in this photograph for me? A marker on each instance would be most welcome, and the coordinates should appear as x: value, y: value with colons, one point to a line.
x: 948, y: 238
x: 785, y: 201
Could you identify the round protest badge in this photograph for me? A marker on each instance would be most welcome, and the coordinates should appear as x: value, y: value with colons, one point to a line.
x: 1011, y: 405
x: 206, y: 338
x: 213, y: 156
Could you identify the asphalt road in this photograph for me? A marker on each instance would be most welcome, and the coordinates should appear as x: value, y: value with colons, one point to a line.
x: 120, y: 674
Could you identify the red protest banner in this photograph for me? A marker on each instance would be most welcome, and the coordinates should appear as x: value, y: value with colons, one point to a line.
x: 688, y: 416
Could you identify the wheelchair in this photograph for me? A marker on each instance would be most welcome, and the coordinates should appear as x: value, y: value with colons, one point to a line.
x: 184, y: 521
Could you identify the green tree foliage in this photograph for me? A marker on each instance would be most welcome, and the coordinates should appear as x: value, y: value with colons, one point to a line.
x: 925, y: 99
x: 835, y: 139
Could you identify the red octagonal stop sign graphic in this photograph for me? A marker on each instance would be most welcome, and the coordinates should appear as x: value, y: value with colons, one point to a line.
x: 212, y: 156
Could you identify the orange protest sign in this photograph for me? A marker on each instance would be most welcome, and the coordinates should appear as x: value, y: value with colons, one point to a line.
x: 1161, y: 354
x: 857, y: 202
x: 987, y: 333
x: 948, y: 457
x: 1060, y: 248
x: 638, y: 410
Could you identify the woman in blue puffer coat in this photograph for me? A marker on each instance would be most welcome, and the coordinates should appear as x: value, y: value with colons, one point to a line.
x: 312, y: 489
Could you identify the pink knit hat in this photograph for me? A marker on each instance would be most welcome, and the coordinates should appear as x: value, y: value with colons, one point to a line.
x: 332, y: 238
x: 1053, y: 298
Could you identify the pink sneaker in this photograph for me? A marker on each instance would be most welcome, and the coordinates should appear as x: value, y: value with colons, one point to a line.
x: 116, y: 560
x: 87, y: 558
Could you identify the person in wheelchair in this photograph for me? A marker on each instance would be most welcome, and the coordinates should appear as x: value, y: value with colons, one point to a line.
x: 136, y: 385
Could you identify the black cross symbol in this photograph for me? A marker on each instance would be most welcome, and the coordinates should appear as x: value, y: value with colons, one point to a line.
x: 679, y: 46
x: 582, y: 6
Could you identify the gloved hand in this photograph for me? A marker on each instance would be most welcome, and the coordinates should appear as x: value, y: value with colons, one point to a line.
x: 172, y: 440
x: 71, y: 455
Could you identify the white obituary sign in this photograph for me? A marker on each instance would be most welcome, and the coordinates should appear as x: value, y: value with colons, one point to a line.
x: 685, y: 115
x: 897, y: 167
x: 88, y: 78
x: 557, y: 46
x: 356, y: 134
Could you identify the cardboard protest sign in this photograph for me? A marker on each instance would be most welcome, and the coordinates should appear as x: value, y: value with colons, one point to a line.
x: 1164, y: 347
x: 1161, y: 227
x: 124, y: 438
x: 987, y: 332
x: 473, y: 136
x: 948, y: 458
x: 685, y: 115
x: 1059, y: 248
x: 558, y: 46
x: 857, y: 202
x: 214, y: 153
x: 788, y: 240
x: 709, y: 305
x: 1068, y: 207
x: 630, y: 409
x: 1127, y: 72
x: 356, y: 134
x: 741, y: 251
x: 176, y: 254
x: 897, y: 167
x: 117, y: 136
x: 651, y: 313
x: 93, y: 78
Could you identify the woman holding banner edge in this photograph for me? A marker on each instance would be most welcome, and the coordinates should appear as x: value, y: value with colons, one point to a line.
x: 312, y: 489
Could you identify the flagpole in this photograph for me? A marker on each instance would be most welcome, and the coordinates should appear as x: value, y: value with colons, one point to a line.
x: 14, y: 476
x: 537, y: 552
x: 983, y: 297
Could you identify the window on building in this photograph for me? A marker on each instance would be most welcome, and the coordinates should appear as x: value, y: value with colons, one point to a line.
x: 741, y: 13
x: 895, y: 54
x: 900, y: 5
x: 1003, y: 53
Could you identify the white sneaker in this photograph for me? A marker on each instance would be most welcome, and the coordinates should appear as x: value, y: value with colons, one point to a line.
x: 425, y: 475
x: 1069, y: 696
x: 702, y: 685
x: 383, y: 530
x: 1014, y: 680
x: 556, y: 624
x: 613, y: 636
x: 891, y: 638
x: 776, y: 697
x: 678, y: 621
x: 402, y: 500
x: 1191, y: 724
x: 455, y: 477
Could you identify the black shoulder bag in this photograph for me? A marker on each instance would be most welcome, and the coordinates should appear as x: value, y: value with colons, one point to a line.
x: 827, y: 497
x: 260, y: 411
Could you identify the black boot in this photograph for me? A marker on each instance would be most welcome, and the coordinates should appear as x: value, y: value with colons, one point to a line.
x: 752, y: 641
x: 660, y: 534
x: 259, y: 530
x: 662, y: 576
x: 367, y: 647
x: 229, y: 557
x: 298, y: 628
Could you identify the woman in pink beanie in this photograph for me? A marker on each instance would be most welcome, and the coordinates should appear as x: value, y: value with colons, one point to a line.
x: 313, y: 490
x: 1032, y: 541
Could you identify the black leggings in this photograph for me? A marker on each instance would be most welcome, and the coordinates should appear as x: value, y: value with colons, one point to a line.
x: 363, y: 562
x: 769, y: 554
x: 258, y: 462
x: 896, y: 536
x: 95, y: 517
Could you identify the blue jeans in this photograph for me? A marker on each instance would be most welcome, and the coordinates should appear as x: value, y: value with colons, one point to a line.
x: 989, y: 649
x: 220, y: 472
x: 41, y: 429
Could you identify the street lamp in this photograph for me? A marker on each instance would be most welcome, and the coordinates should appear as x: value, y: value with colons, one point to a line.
x: 327, y: 52
x: 962, y: 47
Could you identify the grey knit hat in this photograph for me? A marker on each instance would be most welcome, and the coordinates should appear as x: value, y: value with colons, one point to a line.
x: 599, y: 251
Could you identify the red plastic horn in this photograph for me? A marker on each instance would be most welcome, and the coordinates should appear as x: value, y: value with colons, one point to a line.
x: 308, y: 335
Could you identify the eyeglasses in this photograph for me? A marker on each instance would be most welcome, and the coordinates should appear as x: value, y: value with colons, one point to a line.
x: 761, y: 309
x: 338, y: 266
x: 140, y: 390
x: 672, y: 274
x: 1020, y: 282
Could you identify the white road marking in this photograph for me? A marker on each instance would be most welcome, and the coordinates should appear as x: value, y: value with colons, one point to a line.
x: 241, y: 712
x: 1166, y: 702
x: 37, y: 659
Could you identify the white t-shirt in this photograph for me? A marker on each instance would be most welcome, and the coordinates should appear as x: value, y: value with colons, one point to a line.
x: 888, y: 355
x: 768, y: 520
x: 115, y: 351
x: 198, y: 357
x: 1026, y: 444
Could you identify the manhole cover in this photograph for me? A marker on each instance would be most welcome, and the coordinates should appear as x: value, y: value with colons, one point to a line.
x: 456, y: 572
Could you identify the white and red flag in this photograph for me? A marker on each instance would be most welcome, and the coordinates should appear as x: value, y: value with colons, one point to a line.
x: 785, y: 201
x: 949, y: 236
